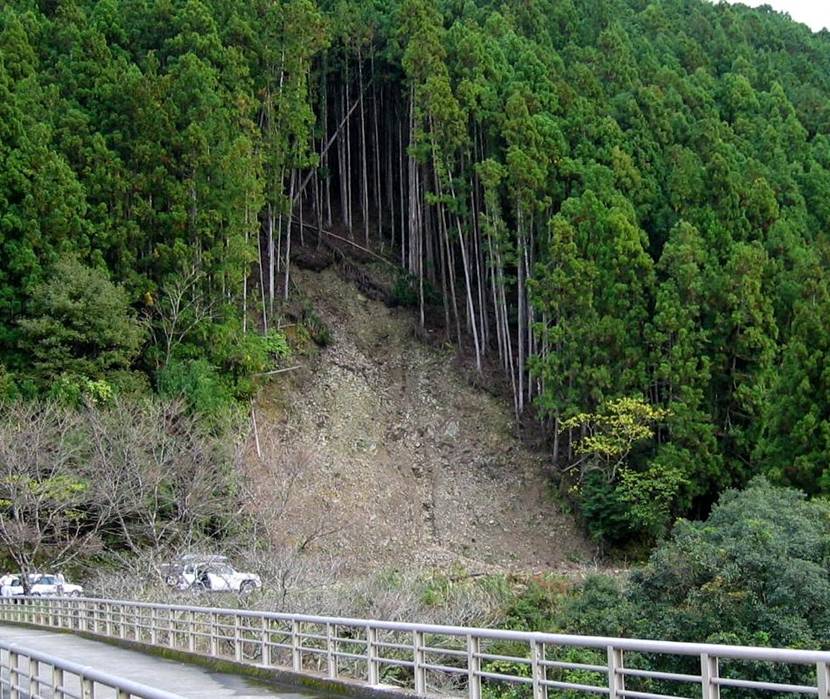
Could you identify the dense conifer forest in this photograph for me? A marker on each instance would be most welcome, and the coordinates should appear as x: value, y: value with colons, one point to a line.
x: 621, y: 205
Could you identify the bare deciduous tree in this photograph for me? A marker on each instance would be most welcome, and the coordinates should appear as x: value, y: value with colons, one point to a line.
x: 50, y: 512
x: 269, y: 491
x: 165, y: 478
x: 141, y: 475
x: 181, y: 307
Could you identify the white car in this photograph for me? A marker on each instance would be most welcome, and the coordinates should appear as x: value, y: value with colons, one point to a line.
x: 42, y: 586
x: 221, y: 577
x: 9, y: 585
x: 55, y: 585
x: 210, y: 573
x: 6, y: 584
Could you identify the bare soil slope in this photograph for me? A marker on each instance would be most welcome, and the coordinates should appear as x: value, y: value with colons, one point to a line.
x: 406, y: 462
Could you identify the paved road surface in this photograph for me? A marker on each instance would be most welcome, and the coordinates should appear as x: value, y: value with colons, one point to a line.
x: 191, y: 681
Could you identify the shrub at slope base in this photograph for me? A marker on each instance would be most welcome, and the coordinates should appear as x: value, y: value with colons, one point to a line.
x: 755, y: 572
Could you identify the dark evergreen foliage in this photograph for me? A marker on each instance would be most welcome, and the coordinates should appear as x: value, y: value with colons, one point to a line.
x: 612, y: 199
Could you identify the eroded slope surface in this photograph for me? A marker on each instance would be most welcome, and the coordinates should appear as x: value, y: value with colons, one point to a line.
x: 404, y: 462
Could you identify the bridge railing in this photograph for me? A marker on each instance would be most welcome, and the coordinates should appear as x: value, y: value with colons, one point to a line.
x: 431, y: 659
x: 25, y: 672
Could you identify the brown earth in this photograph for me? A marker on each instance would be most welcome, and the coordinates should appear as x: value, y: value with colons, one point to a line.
x: 391, y: 458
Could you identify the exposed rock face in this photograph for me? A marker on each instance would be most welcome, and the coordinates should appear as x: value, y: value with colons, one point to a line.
x: 408, y: 462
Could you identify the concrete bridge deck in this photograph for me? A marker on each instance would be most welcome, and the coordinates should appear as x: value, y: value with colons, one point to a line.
x: 191, y: 681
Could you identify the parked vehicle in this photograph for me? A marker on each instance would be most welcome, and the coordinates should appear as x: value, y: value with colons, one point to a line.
x: 41, y: 586
x: 181, y: 573
x: 55, y: 585
x: 8, y: 585
x: 209, y: 573
x: 222, y: 577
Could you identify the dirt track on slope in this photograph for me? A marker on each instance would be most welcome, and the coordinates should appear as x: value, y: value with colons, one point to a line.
x: 405, y: 463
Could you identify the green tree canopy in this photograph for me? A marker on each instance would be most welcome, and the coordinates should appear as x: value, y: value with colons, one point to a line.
x: 79, y: 323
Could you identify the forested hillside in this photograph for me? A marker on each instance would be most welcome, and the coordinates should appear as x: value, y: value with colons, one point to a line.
x: 624, y: 205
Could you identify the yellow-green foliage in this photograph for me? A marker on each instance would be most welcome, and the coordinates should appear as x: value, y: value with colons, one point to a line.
x: 615, y: 428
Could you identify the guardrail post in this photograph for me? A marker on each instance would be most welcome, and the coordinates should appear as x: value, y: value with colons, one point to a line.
x: 296, y: 650
x: 213, y: 621
x: 173, y: 623
x: 34, y: 678
x: 331, y: 649
x: 191, y: 631
x: 538, y: 670
x: 709, y: 677
x: 237, y: 639
x: 57, y: 682
x: 473, y: 667
x: 264, y: 639
x: 87, y: 688
x: 371, y: 655
x: 823, y: 680
x: 616, y: 680
x: 418, y: 663
x: 153, y: 633
x: 108, y: 619
x: 14, y: 676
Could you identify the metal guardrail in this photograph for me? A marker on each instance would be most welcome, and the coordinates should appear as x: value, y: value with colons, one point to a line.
x: 432, y: 659
x: 28, y: 673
